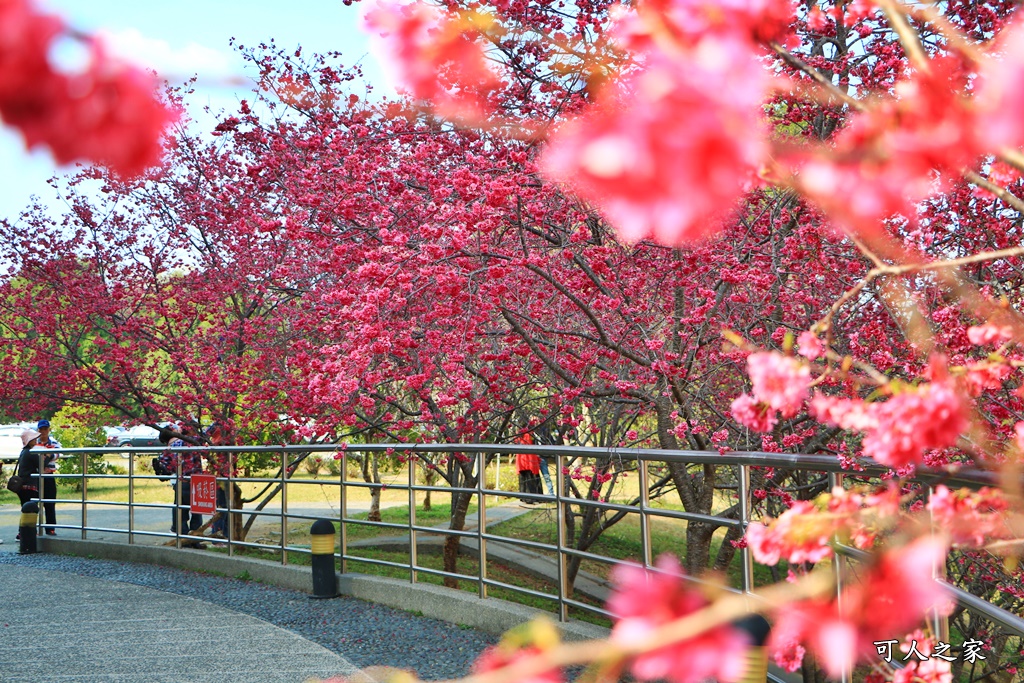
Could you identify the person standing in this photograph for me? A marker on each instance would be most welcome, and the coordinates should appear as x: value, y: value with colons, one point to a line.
x: 191, y: 463
x: 28, y: 467
x: 50, y: 468
x: 545, y: 473
x: 528, y: 465
x: 223, y: 465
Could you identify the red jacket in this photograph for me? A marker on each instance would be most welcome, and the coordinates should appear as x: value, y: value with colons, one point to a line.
x: 527, y: 462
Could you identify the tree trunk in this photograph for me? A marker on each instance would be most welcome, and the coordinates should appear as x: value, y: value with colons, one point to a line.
x: 727, y: 551
x: 429, y: 477
x: 572, y: 570
x: 460, y: 505
x: 698, y: 547
x: 235, y: 503
x: 371, y: 475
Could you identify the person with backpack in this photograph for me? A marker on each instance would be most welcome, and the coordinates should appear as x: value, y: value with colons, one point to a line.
x: 191, y: 463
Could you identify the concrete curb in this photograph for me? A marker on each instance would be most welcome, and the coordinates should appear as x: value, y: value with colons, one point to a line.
x: 490, y: 615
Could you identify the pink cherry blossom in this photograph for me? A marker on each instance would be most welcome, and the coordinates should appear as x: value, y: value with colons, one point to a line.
x: 985, y: 376
x: 758, y: 21
x: 107, y: 114
x: 847, y: 413
x: 800, y: 534
x: 666, y: 151
x: 500, y: 656
x: 929, y: 416
x: 969, y: 517
x: 788, y: 655
x: 436, y: 56
x: 989, y: 334
x: 810, y: 347
x: 642, y: 601
x: 764, y: 543
x: 753, y: 414
x: 1000, y: 92
x: 898, y: 431
x: 780, y: 381
x: 892, y: 596
x: 886, y: 159
x: 927, y: 671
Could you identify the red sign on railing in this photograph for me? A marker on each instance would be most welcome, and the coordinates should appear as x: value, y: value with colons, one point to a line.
x: 204, y: 494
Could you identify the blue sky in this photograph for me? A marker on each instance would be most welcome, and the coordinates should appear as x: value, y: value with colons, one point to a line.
x: 179, y: 39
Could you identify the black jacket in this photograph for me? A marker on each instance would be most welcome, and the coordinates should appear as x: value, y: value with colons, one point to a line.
x: 28, y: 466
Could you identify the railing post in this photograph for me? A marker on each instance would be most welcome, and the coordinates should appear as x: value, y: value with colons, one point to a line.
x: 746, y: 557
x: 839, y: 570
x: 41, y: 475
x: 940, y: 622
x: 414, y: 557
x: 284, y: 504
x: 229, y: 491
x: 645, y: 502
x: 481, y: 524
x: 343, y: 507
x: 85, y: 496
x: 563, y: 569
x: 176, y: 517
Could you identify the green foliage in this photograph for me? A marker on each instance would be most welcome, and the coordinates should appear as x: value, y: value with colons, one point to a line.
x: 81, y: 427
x: 313, y: 464
x: 332, y: 466
x: 509, y: 476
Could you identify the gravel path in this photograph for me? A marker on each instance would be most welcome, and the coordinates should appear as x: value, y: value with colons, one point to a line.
x: 364, y: 633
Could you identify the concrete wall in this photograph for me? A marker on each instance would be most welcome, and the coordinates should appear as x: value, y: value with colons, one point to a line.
x: 458, y: 607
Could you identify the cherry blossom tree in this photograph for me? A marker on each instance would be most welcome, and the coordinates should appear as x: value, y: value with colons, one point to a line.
x: 743, y: 225
x: 886, y: 125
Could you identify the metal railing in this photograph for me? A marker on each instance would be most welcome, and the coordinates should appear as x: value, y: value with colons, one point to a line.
x: 486, y: 541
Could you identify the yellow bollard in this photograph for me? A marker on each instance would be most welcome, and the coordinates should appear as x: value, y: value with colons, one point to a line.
x: 325, y: 583
x: 27, y: 528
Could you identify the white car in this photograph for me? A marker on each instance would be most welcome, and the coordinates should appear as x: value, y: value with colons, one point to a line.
x: 10, y: 442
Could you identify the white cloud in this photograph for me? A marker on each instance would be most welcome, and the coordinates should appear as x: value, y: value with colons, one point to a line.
x: 174, y: 63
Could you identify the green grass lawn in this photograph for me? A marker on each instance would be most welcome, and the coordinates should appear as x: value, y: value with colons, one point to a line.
x: 622, y: 542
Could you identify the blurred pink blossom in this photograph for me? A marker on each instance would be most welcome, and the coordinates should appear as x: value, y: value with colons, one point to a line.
x: 668, y: 150
x: 642, y: 601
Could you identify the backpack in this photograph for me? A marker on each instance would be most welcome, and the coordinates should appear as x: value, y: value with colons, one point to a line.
x: 161, y: 469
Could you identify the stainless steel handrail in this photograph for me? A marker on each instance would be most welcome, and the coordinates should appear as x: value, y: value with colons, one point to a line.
x: 742, y: 460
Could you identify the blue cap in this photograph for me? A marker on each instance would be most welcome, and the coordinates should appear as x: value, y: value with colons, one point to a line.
x: 43, y: 423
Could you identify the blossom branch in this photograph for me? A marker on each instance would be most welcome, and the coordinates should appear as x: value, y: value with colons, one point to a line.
x: 722, y: 611
x: 908, y: 37
x: 1001, y: 193
x: 818, y: 77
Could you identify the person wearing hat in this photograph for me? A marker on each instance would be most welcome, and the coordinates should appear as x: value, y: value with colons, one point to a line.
x: 49, y: 467
x: 28, y: 466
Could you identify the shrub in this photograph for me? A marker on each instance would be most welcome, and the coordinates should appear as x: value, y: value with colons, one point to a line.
x: 313, y: 464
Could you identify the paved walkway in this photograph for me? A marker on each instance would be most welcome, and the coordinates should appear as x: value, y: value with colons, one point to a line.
x: 68, y: 627
x: 58, y: 626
